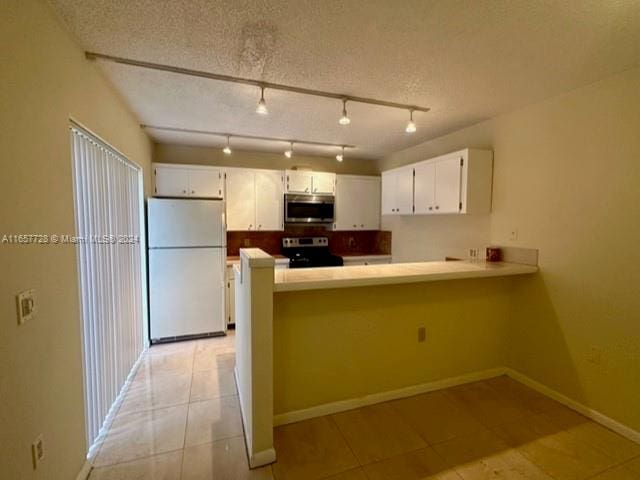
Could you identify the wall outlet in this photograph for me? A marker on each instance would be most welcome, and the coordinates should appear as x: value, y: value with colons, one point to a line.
x: 26, y: 305
x: 513, y: 235
x: 246, y: 242
x: 37, y: 451
x: 422, y: 334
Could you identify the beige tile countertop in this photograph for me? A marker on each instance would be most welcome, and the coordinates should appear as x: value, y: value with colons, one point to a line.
x: 288, y: 280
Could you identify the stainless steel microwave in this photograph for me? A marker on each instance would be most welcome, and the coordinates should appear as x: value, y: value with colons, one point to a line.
x: 314, y: 209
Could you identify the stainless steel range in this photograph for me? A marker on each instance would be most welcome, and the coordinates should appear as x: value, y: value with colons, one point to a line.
x: 305, y: 252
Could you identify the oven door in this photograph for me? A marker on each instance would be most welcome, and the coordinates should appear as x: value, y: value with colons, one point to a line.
x: 308, y: 208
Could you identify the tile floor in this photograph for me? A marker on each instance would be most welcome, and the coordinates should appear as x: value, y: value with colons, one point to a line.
x: 180, y: 420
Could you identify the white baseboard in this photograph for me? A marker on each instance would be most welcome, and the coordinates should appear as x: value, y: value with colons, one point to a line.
x: 594, y: 415
x: 85, y: 471
x: 260, y: 459
x: 351, y: 403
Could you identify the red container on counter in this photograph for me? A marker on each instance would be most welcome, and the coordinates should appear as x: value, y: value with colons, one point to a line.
x: 494, y: 254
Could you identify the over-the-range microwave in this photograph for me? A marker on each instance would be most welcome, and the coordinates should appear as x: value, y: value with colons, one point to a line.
x: 309, y: 209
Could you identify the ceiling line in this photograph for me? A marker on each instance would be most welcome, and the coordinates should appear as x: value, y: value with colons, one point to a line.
x: 247, y: 137
x: 248, y: 81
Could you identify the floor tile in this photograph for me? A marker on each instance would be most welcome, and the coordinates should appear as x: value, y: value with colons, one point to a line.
x: 208, y: 384
x: 156, y: 391
x: 187, y: 347
x: 212, y: 420
x: 424, y: 464
x: 165, y: 364
x: 221, y: 460
x: 559, y: 453
x: 377, y: 432
x: 141, y: 434
x: 311, y: 449
x: 534, y: 401
x: 485, y: 404
x: 634, y: 465
x: 484, y: 456
x: 617, y: 473
x: 613, y: 445
x: 214, y: 359
x: 355, y: 474
x: 436, y: 417
x: 165, y: 466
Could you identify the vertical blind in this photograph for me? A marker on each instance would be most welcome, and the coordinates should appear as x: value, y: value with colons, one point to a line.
x: 108, y: 202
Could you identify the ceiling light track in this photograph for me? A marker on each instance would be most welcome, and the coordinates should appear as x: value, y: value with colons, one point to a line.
x: 229, y: 135
x: 247, y: 81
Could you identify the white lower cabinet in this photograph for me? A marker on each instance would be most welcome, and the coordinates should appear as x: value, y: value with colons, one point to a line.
x: 255, y: 199
x: 357, y: 203
x: 367, y: 260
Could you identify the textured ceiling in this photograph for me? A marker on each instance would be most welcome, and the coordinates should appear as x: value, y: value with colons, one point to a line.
x: 467, y: 60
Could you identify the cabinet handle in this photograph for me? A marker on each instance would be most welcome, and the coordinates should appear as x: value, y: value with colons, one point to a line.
x: 362, y: 225
x: 354, y: 225
x: 193, y: 191
x: 430, y: 208
x: 250, y: 227
x: 184, y: 191
x: 259, y: 227
x: 437, y: 207
x: 306, y: 189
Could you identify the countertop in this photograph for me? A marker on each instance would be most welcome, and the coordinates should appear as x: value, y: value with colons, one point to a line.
x: 282, y: 259
x: 287, y: 280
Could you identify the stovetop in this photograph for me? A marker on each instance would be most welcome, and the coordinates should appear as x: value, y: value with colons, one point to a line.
x: 305, y: 252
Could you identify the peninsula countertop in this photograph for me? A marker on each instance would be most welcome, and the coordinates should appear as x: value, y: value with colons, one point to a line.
x: 287, y: 280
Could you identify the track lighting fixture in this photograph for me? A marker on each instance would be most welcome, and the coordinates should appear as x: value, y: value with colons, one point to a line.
x: 411, y: 126
x: 262, y: 85
x: 289, y: 153
x: 262, y: 105
x: 227, y: 149
x: 340, y: 156
x: 344, y: 119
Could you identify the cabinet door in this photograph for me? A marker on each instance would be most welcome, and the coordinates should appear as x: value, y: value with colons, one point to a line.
x: 171, y: 182
x: 240, y: 199
x: 388, y: 194
x: 404, y: 191
x: 298, y: 181
x: 269, y: 199
x: 324, y: 183
x: 424, y: 188
x: 346, y: 199
x: 447, y: 190
x: 205, y: 183
x: 368, y: 191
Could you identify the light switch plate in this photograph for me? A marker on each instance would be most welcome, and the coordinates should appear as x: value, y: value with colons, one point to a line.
x: 26, y: 304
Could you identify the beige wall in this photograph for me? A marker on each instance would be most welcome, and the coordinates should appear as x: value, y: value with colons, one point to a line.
x: 45, y: 80
x: 566, y: 177
x: 214, y: 156
x: 332, y: 345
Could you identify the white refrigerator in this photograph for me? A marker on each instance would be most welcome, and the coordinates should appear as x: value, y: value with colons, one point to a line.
x: 187, y: 260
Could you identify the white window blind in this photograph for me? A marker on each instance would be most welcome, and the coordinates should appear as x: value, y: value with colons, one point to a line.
x: 108, y: 201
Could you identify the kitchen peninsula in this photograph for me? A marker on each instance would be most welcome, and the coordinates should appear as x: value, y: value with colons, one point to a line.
x: 318, y: 341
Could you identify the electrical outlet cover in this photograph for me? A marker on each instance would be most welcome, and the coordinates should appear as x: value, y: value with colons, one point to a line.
x: 37, y: 451
x: 26, y: 304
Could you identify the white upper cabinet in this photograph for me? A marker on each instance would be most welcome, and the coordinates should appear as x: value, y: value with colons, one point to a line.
x: 357, y: 202
x: 306, y: 181
x: 255, y: 199
x: 240, y: 199
x: 323, y: 183
x: 397, y: 191
x: 269, y: 199
x: 298, y: 181
x: 455, y: 183
x: 172, y: 180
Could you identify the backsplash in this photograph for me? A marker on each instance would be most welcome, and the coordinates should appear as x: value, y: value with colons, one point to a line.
x: 341, y: 243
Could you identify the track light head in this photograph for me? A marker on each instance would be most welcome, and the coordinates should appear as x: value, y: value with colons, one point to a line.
x: 344, y: 119
x: 289, y: 153
x: 262, y: 105
x: 227, y: 148
x: 340, y: 156
x: 411, y: 126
